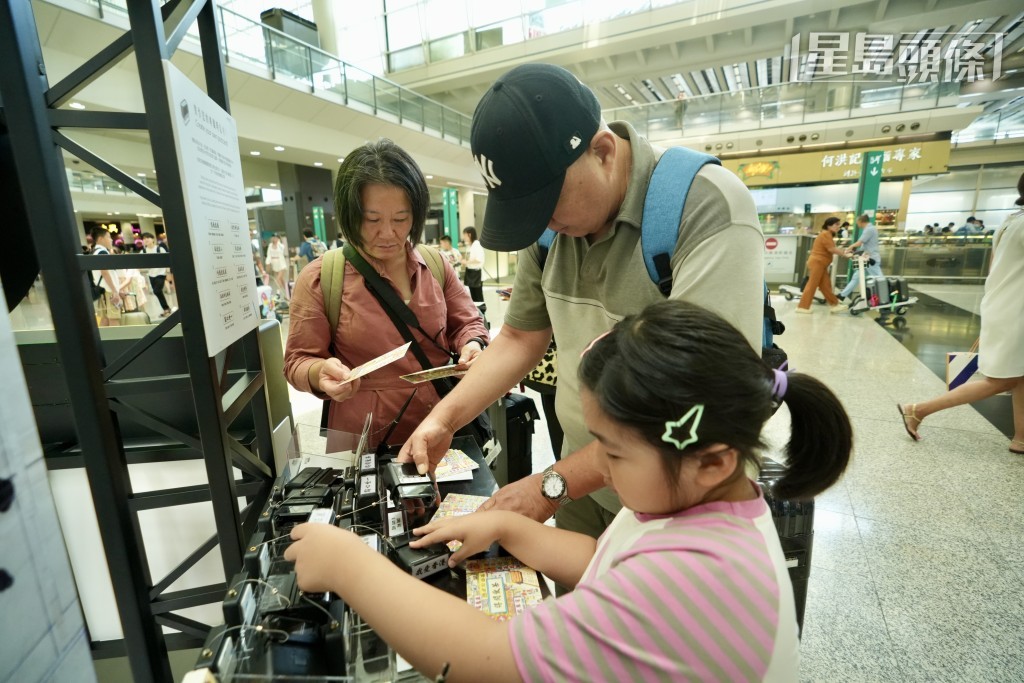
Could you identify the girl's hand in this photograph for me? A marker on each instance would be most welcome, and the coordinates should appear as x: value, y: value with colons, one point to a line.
x: 332, y: 380
x: 318, y: 551
x: 476, y: 531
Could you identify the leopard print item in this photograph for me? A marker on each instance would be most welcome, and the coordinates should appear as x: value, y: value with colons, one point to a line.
x: 546, y: 371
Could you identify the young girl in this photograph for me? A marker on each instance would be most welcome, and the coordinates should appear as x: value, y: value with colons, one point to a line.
x: 688, y: 583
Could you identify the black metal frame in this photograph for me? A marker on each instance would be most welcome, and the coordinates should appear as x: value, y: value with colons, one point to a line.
x: 30, y: 112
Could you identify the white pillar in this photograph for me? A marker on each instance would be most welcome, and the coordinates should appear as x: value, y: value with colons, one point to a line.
x: 326, y: 26
x: 466, y: 212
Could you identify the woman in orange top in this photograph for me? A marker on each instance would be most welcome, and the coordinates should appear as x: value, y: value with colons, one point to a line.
x: 817, y: 268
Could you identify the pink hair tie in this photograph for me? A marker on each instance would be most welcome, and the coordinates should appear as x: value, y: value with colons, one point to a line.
x: 781, y: 382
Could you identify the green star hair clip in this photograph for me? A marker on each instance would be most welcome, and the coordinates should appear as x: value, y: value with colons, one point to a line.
x: 675, y: 431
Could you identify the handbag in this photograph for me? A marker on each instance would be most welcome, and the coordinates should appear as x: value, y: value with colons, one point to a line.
x: 405, y: 321
x: 545, y: 373
x: 961, y: 366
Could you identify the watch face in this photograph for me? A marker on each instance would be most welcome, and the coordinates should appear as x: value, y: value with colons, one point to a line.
x: 553, y: 486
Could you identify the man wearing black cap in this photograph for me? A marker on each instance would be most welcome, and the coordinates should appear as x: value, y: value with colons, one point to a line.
x: 549, y: 160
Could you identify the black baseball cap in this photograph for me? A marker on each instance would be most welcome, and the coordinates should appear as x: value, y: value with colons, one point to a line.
x: 528, y: 128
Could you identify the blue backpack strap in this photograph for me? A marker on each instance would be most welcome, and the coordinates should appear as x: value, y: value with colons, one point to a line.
x: 545, y: 245
x: 663, y: 209
x: 772, y: 325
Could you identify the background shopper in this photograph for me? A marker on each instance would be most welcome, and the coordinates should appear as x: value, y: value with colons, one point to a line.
x: 1001, y: 345
x: 817, y: 268
x: 474, y: 265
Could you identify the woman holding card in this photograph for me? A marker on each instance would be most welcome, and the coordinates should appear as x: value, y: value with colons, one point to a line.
x: 381, y: 201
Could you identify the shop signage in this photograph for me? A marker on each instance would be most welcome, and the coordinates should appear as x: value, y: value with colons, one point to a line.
x: 898, y: 161
x: 764, y: 169
x: 870, y: 181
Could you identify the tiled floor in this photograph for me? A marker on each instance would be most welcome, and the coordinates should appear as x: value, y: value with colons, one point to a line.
x: 916, y: 566
x: 918, y: 556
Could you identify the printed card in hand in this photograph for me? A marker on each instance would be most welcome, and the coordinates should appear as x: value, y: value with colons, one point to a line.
x: 378, y: 362
x: 501, y: 587
x: 454, y: 466
x: 434, y: 373
x: 457, y: 505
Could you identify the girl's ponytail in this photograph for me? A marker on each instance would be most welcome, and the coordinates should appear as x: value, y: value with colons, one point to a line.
x: 821, y: 439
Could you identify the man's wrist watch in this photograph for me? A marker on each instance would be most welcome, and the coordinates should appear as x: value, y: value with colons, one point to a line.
x: 478, y: 340
x: 554, y: 487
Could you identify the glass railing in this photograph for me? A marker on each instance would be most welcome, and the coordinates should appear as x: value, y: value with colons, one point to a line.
x: 95, y: 183
x: 781, y: 105
x: 515, y: 22
x: 919, y: 258
x: 936, y: 258
x: 1003, y: 124
x: 248, y: 42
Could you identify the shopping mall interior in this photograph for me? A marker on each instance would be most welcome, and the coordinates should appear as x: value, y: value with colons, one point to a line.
x: 918, y: 551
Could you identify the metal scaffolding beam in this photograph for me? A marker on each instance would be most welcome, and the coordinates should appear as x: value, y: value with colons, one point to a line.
x: 31, y: 116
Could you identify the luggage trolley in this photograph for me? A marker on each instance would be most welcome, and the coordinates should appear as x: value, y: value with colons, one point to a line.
x: 887, y: 294
x: 790, y: 292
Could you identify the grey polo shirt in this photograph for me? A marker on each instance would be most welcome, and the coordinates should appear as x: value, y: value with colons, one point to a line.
x: 869, y: 242
x: 584, y: 289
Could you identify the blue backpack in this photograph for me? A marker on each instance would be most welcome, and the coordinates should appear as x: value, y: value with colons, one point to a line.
x: 663, y: 209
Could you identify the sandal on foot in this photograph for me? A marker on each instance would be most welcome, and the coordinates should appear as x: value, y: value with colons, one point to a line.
x: 1015, y: 442
x: 904, y: 415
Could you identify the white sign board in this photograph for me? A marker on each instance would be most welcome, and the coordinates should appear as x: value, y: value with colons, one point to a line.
x: 42, y: 635
x: 780, y: 256
x: 206, y: 140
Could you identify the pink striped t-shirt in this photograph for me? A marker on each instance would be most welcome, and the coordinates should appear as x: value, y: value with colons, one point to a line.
x: 702, y: 595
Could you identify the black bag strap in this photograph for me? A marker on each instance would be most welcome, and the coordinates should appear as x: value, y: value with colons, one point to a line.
x: 99, y: 279
x: 400, y: 314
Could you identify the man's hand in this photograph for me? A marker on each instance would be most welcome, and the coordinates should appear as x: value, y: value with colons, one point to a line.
x: 332, y: 380
x: 523, y: 497
x: 476, y: 531
x: 427, y: 445
x: 318, y: 552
